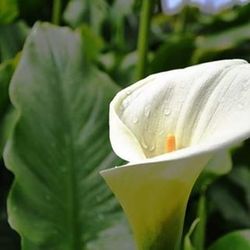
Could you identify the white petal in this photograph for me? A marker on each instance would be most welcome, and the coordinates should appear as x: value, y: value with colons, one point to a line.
x: 154, y: 196
x: 206, y: 107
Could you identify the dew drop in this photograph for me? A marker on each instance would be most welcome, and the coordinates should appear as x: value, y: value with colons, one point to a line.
x: 128, y: 92
x: 144, y: 145
x: 152, y: 148
x: 125, y: 103
x: 167, y: 112
x: 147, y: 111
x: 245, y: 85
x: 161, y: 132
x: 135, y: 120
x: 240, y: 105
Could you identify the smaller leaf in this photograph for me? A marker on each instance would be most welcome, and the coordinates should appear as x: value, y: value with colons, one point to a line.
x: 9, y: 239
x: 92, y: 42
x: 6, y: 127
x: 6, y: 72
x: 187, y: 240
x: 229, y: 205
x: 219, y: 165
x: 6, y: 121
x: 123, y: 8
x: 239, y: 240
x: 8, y: 11
x: 200, y: 230
x: 174, y: 53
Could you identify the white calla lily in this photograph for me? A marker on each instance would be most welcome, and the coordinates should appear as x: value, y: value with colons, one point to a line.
x: 168, y: 126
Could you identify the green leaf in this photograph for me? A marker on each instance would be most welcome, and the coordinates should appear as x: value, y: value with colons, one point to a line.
x: 228, y: 202
x: 92, y: 12
x: 92, y: 42
x: 200, y: 231
x: 174, y: 53
x: 220, y: 164
x: 241, y: 178
x: 12, y: 37
x: 6, y: 72
x: 123, y: 8
x: 187, y: 244
x: 60, y: 143
x: 239, y: 240
x: 6, y: 127
x: 8, y: 11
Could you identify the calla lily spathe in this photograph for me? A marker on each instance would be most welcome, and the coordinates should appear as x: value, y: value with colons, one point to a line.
x: 207, y: 6
x: 206, y: 109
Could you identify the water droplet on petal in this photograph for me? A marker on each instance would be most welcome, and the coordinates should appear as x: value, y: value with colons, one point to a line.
x: 167, y: 112
x: 161, y: 132
x: 152, y: 148
x: 245, y: 85
x: 125, y: 103
x: 144, y: 145
x: 240, y: 105
x: 135, y: 120
x: 128, y: 92
x: 147, y: 111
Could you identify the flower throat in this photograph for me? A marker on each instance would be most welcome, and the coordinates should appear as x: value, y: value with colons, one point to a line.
x: 170, y: 143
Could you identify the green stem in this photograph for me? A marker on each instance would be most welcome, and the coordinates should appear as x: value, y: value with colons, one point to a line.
x: 142, y: 45
x: 200, y: 231
x: 56, y: 14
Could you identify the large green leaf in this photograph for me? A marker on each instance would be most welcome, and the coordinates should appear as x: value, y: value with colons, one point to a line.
x: 239, y: 240
x: 59, y: 145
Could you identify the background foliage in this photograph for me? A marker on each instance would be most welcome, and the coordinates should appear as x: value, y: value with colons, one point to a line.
x: 61, y: 140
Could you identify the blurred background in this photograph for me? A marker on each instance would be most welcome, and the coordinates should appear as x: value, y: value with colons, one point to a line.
x: 110, y: 28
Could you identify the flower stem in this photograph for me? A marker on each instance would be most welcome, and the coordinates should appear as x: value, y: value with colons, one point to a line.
x: 143, y: 37
x: 200, y: 231
x: 56, y: 12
